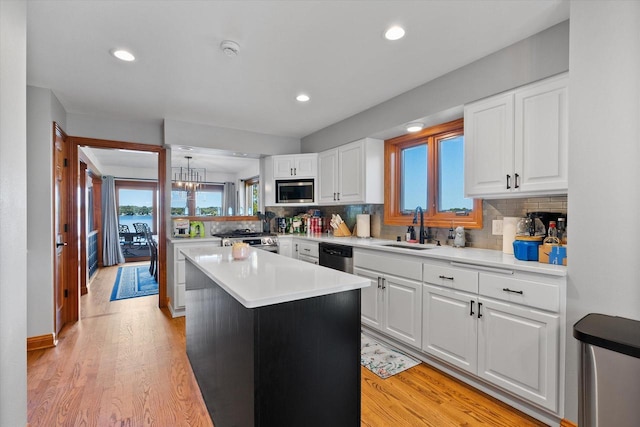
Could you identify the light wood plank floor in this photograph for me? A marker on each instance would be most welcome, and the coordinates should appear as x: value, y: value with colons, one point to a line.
x: 124, y: 364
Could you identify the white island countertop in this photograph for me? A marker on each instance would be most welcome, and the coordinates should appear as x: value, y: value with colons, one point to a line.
x: 266, y: 278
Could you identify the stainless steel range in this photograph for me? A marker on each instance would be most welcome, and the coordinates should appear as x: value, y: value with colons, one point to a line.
x: 266, y: 241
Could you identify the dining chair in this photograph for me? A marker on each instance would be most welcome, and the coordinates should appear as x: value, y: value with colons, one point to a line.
x: 140, y: 228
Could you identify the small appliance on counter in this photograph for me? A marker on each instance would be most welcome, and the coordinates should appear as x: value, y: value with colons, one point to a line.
x: 180, y: 228
x: 196, y: 229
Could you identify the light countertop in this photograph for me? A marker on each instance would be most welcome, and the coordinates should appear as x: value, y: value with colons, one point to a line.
x: 193, y: 239
x: 266, y: 278
x: 474, y: 256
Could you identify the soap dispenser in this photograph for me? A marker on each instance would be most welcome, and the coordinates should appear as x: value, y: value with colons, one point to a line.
x: 411, y: 233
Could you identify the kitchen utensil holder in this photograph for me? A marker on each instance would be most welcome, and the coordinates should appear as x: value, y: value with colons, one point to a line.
x: 342, y: 230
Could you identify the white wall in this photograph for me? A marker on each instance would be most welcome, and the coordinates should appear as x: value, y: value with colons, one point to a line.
x: 177, y: 133
x: 13, y: 213
x: 539, y: 56
x: 90, y: 126
x: 40, y: 115
x: 604, y: 120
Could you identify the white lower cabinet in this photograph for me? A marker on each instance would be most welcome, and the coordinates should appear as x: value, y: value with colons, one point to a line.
x: 518, y: 350
x: 511, y: 340
x: 449, y: 329
x: 285, y: 246
x: 393, y: 302
x: 176, y: 279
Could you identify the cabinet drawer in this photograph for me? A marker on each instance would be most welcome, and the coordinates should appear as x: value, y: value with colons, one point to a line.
x: 533, y: 294
x: 402, y: 267
x: 308, y: 248
x: 450, y: 277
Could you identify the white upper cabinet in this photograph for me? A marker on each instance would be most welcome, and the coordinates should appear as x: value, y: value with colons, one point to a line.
x: 352, y: 173
x: 295, y: 166
x: 516, y: 143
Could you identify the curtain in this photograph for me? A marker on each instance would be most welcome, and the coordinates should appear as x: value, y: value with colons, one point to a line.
x: 111, y: 251
x: 229, y: 199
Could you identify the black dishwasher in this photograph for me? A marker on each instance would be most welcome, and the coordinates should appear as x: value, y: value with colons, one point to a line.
x: 338, y: 257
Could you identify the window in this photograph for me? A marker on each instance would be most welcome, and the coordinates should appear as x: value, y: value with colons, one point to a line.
x: 137, y: 202
x: 426, y: 169
x: 205, y: 201
x: 252, y: 195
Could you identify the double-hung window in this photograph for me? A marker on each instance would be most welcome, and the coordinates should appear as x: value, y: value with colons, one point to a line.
x: 426, y: 170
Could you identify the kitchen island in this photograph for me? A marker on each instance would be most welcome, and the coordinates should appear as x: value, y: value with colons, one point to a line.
x: 273, y: 341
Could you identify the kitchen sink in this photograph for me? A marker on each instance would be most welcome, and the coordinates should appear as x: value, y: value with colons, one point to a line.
x: 416, y: 247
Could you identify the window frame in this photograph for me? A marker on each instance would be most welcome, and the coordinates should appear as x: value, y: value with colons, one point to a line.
x: 123, y: 184
x: 393, y: 214
x: 191, y: 199
x: 248, y: 194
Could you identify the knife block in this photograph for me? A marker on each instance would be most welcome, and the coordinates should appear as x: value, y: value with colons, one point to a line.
x: 342, y: 231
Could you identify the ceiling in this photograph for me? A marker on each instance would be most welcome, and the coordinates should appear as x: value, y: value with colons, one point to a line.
x: 332, y: 50
x: 108, y: 160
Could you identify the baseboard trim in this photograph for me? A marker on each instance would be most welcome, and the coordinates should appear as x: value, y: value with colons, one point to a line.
x: 41, y: 342
x: 567, y: 423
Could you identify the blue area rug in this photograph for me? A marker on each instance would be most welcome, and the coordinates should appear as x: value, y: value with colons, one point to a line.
x: 132, y: 282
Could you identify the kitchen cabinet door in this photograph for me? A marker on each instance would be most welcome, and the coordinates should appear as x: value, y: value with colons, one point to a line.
x: 295, y: 166
x: 285, y: 247
x: 306, y: 166
x: 402, y: 299
x: 488, y: 140
x: 542, y: 136
x: 518, y: 350
x: 328, y: 176
x: 449, y: 326
x: 351, y: 173
x: 371, y: 299
x: 283, y: 166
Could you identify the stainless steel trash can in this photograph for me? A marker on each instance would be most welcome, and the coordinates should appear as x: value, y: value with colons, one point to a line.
x: 609, y: 382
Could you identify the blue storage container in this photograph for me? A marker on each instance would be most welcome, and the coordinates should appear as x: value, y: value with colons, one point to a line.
x: 526, y: 248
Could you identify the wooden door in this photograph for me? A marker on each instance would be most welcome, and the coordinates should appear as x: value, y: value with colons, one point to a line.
x: 61, y: 226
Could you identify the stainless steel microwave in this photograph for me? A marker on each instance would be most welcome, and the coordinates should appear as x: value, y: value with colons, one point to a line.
x: 294, y: 191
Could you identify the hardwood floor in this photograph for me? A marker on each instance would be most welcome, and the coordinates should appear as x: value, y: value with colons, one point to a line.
x: 124, y: 364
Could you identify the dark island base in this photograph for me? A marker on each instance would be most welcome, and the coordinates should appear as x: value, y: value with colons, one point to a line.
x: 290, y: 364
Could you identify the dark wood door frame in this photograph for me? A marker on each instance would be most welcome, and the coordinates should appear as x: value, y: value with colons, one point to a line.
x: 76, y: 142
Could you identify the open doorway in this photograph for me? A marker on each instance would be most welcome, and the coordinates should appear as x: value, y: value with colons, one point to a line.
x: 139, y: 175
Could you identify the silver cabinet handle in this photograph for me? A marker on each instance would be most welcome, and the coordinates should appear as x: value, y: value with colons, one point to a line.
x: 445, y: 277
x: 512, y: 291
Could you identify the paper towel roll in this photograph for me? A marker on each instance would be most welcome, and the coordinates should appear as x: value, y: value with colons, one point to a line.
x: 363, y: 228
x: 509, y: 224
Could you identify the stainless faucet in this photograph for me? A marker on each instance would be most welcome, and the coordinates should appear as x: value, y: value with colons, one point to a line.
x: 415, y: 221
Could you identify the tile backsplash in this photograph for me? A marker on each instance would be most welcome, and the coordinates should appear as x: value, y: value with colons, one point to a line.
x: 483, y: 238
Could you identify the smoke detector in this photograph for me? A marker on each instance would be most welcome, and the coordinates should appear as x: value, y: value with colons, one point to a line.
x: 230, y: 48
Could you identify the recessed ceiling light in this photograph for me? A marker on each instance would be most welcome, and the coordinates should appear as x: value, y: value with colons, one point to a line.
x: 415, y: 127
x: 123, y: 55
x: 303, y: 97
x: 394, y: 33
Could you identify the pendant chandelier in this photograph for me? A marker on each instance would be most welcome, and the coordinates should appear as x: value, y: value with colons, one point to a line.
x: 189, y: 178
